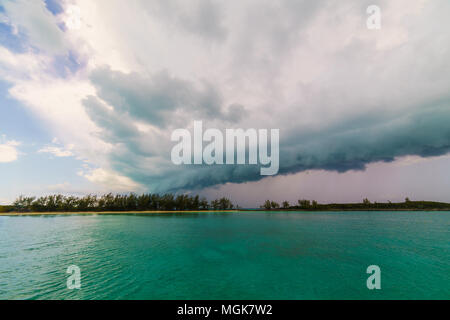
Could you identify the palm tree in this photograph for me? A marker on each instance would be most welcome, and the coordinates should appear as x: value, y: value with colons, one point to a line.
x: 274, y: 205
x: 267, y: 205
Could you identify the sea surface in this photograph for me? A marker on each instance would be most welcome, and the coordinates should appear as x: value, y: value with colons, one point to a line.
x: 242, y: 255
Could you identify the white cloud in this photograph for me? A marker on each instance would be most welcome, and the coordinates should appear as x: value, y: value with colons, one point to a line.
x: 58, y: 103
x: 64, y: 187
x: 37, y: 23
x: 8, y: 151
x: 5, y: 201
x: 56, y: 151
x: 112, y: 181
x: 15, y: 66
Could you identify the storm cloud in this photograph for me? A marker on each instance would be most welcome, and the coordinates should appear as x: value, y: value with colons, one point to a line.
x: 343, y: 96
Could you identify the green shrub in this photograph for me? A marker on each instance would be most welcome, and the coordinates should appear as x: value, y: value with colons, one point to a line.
x: 4, y: 209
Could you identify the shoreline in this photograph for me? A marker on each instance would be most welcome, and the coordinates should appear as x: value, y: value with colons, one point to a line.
x: 19, y: 214
x: 62, y: 213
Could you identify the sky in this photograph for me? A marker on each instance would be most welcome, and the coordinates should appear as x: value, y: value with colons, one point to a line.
x: 90, y: 92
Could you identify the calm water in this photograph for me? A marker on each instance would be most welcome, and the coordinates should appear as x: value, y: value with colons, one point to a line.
x: 227, y: 256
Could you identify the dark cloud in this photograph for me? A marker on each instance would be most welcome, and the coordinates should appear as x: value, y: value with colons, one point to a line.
x: 157, y: 99
x: 202, y: 18
x: 351, y: 144
x: 341, y: 100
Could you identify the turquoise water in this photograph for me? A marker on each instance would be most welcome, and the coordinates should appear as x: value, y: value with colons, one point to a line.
x: 253, y: 255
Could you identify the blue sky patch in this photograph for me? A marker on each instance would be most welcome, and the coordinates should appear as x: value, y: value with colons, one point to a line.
x: 54, y: 6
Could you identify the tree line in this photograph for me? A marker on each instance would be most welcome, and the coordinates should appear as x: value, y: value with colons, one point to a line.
x: 183, y: 202
x: 118, y: 202
x: 302, y: 204
x: 366, y: 204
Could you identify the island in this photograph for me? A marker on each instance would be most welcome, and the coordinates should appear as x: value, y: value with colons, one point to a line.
x: 155, y: 203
